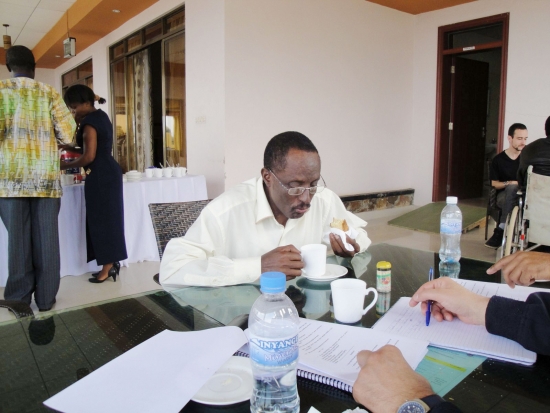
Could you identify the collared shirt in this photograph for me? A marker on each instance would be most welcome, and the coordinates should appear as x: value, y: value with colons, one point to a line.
x: 33, y: 119
x: 224, y: 246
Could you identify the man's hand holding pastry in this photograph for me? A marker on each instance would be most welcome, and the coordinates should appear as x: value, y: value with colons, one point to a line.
x: 287, y: 260
x: 337, y: 244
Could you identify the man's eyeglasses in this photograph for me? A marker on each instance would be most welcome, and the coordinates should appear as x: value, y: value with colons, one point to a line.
x: 300, y: 190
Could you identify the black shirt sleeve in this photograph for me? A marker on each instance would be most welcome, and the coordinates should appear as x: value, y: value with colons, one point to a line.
x: 527, y: 323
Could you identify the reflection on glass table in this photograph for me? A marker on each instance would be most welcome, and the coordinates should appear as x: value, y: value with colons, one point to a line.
x: 41, y: 356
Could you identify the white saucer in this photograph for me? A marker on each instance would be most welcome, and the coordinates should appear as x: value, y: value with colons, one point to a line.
x: 232, y: 383
x: 332, y: 272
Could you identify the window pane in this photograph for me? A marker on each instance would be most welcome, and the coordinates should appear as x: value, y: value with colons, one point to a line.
x: 69, y: 78
x: 153, y: 31
x: 175, y: 21
x: 134, y: 42
x: 118, y: 50
x: 475, y: 36
x: 174, y: 76
x: 85, y: 69
x: 120, y: 120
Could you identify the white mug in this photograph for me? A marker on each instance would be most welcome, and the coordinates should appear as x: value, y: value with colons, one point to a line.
x: 178, y: 172
x: 167, y: 172
x: 348, y: 297
x: 67, y: 179
x: 314, y: 257
x: 157, y: 172
x: 149, y: 172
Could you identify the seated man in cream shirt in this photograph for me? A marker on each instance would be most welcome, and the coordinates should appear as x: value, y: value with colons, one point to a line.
x: 260, y: 225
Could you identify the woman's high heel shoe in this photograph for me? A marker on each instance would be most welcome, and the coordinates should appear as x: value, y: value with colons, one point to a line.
x: 115, y: 264
x: 113, y: 272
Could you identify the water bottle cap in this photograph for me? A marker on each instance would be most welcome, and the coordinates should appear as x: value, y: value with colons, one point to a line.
x: 272, y: 282
x: 453, y: 200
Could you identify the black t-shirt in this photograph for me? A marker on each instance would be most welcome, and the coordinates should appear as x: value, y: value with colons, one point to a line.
x: 503, y: 168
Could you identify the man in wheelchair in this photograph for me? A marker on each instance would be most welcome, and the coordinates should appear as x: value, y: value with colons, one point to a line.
x: 504, y: 170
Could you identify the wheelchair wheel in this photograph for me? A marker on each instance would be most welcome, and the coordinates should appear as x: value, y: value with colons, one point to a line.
x: 510, y: 241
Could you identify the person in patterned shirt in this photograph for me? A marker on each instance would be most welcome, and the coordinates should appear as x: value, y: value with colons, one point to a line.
x: 33, y: 121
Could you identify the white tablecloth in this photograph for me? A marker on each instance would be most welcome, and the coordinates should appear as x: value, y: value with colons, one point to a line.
x: 138, y: 227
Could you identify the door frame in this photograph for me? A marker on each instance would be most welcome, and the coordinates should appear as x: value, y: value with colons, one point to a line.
x: 440, y: 176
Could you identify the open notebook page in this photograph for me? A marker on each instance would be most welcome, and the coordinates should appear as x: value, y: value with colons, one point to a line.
x: 456, y: 335
x: 331, y: 349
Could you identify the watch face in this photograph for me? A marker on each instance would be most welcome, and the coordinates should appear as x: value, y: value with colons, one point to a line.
x: 411, y: 407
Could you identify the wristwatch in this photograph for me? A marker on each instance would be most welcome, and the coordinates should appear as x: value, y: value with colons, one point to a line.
x: 423, y: 405
x: 506, y: 183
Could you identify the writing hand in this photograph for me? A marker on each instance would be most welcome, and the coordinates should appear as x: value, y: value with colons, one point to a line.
x: 450, y: 300
x: 339, y: 248
x: 386, y: 380
x: 523, y: 268
x: 287, y: 260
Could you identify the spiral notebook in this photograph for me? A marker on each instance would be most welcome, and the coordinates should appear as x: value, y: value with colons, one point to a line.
x: 328, y: 352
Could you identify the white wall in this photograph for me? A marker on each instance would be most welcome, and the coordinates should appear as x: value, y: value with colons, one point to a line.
x: 337, y: 71
x: 205, y: 85
x: 42, y: 75
x: 528, y: 86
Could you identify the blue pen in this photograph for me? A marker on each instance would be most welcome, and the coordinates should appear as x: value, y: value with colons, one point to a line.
x: 429, y: 311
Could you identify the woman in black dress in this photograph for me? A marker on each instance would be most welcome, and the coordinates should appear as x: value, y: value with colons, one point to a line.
x: 103, y: 186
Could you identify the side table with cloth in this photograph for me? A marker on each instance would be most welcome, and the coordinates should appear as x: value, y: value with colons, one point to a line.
x: 140, y: 237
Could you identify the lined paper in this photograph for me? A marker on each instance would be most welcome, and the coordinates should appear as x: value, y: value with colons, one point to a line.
x: 408, y: 321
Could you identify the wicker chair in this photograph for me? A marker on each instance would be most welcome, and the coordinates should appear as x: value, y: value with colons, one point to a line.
x: 172, y: 220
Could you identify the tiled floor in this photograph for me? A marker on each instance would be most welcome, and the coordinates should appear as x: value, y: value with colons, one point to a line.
x: 77, y: 291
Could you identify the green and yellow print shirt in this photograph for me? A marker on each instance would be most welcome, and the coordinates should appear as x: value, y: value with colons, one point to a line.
x: 33, y: 119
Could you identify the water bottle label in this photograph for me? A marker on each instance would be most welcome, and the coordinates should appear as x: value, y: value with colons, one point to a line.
x: 451, y: 226
x: 273, y: 352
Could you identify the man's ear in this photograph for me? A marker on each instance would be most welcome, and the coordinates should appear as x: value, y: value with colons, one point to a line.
x: 266, y: 176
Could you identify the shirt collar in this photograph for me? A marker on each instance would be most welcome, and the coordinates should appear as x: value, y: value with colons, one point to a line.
x: 263, y: 209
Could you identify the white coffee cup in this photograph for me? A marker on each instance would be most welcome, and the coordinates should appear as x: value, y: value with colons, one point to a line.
x: 67, y: 179
x: 149, y: 172
x: 157, y: 172
x: 178, y: 172
x: 314, y: 257
x: 348, y: 297
x: 167, y: 172
x: 183, y: 170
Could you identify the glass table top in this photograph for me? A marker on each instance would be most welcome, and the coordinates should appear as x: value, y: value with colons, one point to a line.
x: 41, y: 356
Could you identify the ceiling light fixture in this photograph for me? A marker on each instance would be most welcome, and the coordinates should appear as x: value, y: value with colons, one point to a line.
x: 7, y: 38
x: 116, y: 11
x: 69, y: 44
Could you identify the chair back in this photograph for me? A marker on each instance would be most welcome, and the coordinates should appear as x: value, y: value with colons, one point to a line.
x: 537, y: 205
x: 173, y: 219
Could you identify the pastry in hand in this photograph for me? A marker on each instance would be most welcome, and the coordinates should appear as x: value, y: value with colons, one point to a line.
x: 339, y: 224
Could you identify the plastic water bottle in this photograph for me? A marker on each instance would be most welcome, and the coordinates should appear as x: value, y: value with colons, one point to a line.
x: 273, y: 342
x: 450, y: 230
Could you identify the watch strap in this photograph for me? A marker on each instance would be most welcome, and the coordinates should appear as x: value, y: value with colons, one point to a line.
x: 432, y: 401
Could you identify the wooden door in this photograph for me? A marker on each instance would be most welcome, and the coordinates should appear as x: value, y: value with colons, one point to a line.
x: 470, y: 84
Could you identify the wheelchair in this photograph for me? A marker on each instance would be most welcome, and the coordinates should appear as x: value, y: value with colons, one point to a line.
x: 529, y: 221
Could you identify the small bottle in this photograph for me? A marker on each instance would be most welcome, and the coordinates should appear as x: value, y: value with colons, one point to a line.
x: 450, y: 230
x: 273, y: 340
x: 383, y: 276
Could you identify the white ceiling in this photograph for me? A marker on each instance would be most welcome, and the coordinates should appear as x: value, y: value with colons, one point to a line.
x: 30, y: 20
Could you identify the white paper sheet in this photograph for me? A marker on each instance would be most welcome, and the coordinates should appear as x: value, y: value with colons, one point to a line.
x: 409, y: 321
x: 502, y: 290
x: 331, y: 349
x: 160, y: 375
